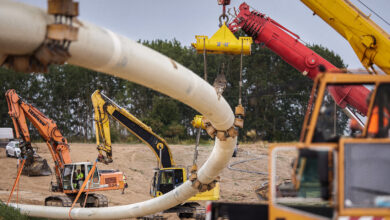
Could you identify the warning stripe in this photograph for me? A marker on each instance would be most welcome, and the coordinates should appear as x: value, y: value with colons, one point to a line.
x: 208, y: 211
x: 360, y: 218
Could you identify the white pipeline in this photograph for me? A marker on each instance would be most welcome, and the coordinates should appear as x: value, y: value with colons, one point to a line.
x: 23, y: 30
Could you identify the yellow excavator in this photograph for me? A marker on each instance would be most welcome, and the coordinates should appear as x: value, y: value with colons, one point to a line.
x: 167, y: 175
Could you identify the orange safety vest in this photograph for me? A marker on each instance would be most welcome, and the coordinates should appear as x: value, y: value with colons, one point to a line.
x: 374, y: 121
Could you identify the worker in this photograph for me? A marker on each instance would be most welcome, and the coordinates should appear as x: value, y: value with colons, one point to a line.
x: 169, y: 179
x: 125, y: 184
x: 74, y: 180
x: 79, y: 178
x: 354, y: 127
x: 373, y: 126
x: 373, y: 129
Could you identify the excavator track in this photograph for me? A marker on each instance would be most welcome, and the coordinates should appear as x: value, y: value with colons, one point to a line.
x: 62, y: 201
x: 100, y: 200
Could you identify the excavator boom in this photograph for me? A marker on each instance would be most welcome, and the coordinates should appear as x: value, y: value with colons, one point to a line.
x: 286, y: 44
x: 104, y: 107
x: 46, y: 127
x: 19, y: 110
x: 370, y: 42
x: 17, y: 116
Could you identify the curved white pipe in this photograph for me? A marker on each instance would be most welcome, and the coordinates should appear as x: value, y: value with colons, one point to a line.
x: 102, y: 50
x: 12, y: 39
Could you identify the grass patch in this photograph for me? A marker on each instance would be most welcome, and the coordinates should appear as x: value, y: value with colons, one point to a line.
x: 10, y: 213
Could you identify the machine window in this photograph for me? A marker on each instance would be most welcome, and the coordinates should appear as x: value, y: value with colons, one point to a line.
x: 178, y: 177
x: 167, y: 177
x: 366, y: 175
x: 67, y: 177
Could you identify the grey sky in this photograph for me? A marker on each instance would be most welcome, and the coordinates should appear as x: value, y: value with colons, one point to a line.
x: 183, y: 19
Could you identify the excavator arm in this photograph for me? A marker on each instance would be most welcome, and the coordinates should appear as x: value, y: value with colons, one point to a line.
x: 19, y: 110
x: 370, y: 42
x: 105, y: 107
x: 18, y: 118
x: 286, y: 44
x: 102, y: 129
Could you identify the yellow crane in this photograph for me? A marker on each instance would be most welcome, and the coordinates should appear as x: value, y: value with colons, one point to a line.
x: 369, y: 41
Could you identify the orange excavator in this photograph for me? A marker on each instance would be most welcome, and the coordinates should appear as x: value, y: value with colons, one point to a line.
x: 69, y: 176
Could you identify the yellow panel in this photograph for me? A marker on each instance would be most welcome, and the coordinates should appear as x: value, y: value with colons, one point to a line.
x: 280, y: 212
x: 208, y: 195
x: 223, y: 42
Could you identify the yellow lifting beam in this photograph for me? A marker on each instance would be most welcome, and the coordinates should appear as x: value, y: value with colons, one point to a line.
x: 223, y: 42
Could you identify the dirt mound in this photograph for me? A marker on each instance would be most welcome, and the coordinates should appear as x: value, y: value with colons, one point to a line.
x: 137, y: 162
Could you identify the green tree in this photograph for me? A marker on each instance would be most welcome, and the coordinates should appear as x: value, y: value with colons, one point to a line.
x: 274, y: 94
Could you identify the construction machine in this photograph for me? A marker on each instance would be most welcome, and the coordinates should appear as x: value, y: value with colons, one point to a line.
x: 334, y: 176
x: 369, y: 41
x: 68, y: 175
x: 286, y: 44
x: 167, y: 175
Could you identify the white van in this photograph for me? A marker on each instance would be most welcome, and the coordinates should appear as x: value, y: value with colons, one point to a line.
x: 12, y: 149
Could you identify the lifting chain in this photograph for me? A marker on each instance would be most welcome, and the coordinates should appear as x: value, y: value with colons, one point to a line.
x: 240, y: 111
x: 197, y: 123
x: 223, y: 18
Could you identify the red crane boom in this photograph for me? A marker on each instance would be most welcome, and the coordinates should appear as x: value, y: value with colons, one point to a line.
x: 286, y: 44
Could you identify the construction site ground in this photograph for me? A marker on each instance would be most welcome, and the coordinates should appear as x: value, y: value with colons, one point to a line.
x: 137, y: 162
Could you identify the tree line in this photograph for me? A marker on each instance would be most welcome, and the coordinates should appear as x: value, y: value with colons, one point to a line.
x: 274, y: 95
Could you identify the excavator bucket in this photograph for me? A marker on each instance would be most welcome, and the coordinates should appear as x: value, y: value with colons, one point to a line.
x: 38, y: 167
x: 223, y: 42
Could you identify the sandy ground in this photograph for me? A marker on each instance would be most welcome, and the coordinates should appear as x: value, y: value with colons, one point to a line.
x: 137, y: 162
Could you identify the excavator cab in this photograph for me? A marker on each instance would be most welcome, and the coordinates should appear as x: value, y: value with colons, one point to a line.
x: 166, y: 179
x: 75, y: 173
